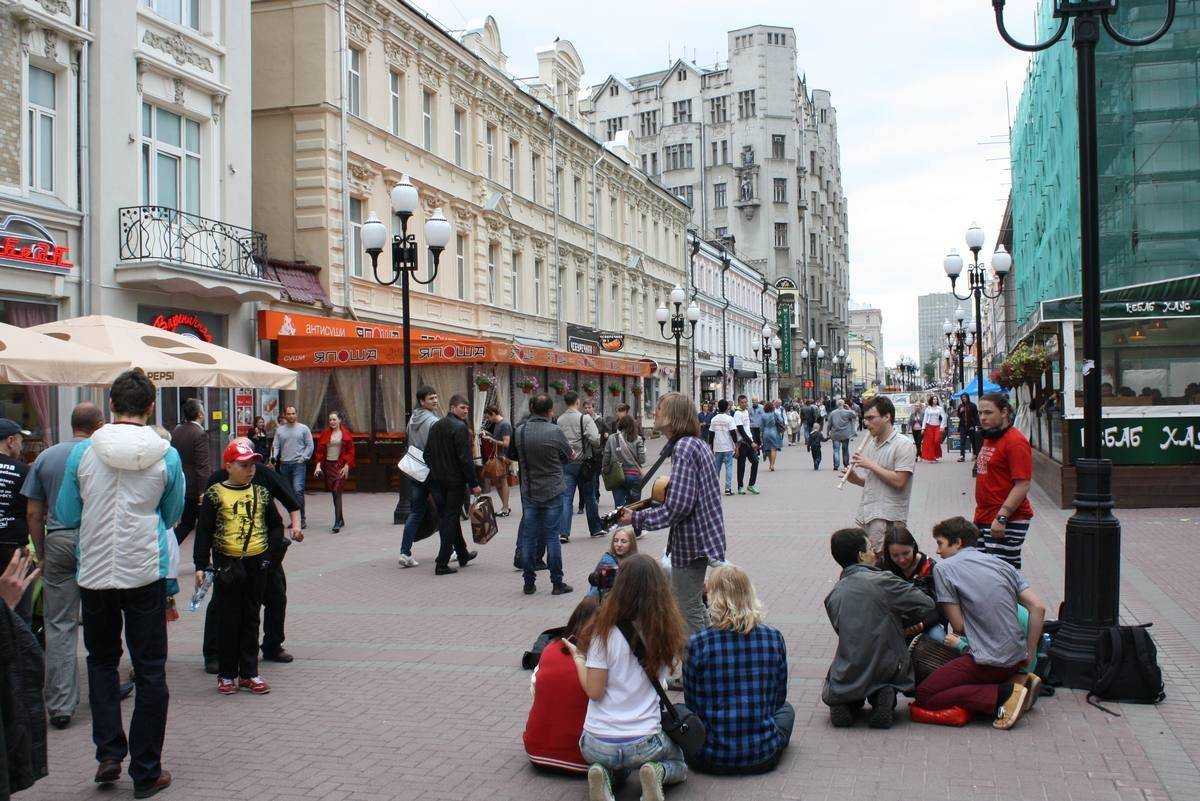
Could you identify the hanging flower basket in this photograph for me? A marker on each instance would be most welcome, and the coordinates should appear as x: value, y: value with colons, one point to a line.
x: 527, y: 384
x: 614, y: 389
x: 1025, y: 365
x: 485, y: 382
x: 636, y: 389
x: 591, y: 388
x: 559, y: 386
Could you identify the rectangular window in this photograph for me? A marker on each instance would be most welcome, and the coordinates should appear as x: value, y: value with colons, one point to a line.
x: 714, y: 153
x: 514, y: 280
x: 781, y: 235
x: 535, y: 176
x: 812, y: 161
x: 40, y: 134
x: 170, y: 160
x: 354, y: 82
x: 493, y: 257
x: 181, y: 12
x: 612, y: 216
x: 580, y: 316
x: 614, y: 304
x: 721, y: 232
x: 460, y: 125
x: 460, y: 261
x: 428, y: 120
x: 396, y: 92
x: 511, y: 164
x: 354, y: 259
x: 778, y: 146
x: 539, y: 268
x: 719, y: 200
x: 612, y: 126
x: 490, y: 151
x: 745, y: 104
x: 649, y: 123
x: 578, y: 187
x: 724, y: 151
x: 558, y: 189
x: 654, y: 163
x: 718, y: 109
x: 684, y: 193
x: 681, y: 111
x: 780, y: 190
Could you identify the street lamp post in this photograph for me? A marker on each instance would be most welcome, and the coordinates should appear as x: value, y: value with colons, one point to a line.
x: 1093, y: 543
x: 839, y: 371
x: 771, y: 346
x: 814, y: 354
x: 678, y: 321
x: 959, y: 340
x: 977, y: 283
x: 404, y: 200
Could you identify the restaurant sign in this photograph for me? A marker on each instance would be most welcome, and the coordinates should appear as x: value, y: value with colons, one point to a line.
x: 1144, y: 440
x: 1174, y: 297
x: 26, y: 243
x: 590, y: 342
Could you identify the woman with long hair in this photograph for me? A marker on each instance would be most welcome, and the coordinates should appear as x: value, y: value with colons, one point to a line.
x: 738, y: 657
x: 335, y: 458
x: 626, y: 446
x: 903, y: 558
x: 555, y: 720
x: 622, y: 545
x: 261, y: 438
x: 622, y: 731
x: 933, y: 421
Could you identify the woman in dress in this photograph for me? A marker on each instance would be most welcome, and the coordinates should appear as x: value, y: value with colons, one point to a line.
x: 773, y: 426
x: 335, y: 458
x: 933, y: 421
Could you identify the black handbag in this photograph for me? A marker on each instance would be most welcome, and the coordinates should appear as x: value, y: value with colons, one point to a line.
x: 682, y: 725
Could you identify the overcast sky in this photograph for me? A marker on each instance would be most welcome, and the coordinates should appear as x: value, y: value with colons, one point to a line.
x: 923, y: 90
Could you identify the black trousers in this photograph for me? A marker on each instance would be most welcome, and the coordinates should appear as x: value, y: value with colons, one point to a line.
x: 916, y: 436
x: 747, y: 454
x: 274, y: 615
x: 142, y: 612
x: 187, y: 521
x: 450, y: 500
x: 237, y: 626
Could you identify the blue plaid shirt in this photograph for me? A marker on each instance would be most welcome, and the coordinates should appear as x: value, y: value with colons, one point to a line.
x: 692, y: 508
x: 735, y: 683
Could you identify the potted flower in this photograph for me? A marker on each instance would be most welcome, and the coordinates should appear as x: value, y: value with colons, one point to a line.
x: 559, y: 386
x: 614, y: 389
x: 484, y: 381
x: 636, y: 389
x: 591, y: 388
x: 1025, y: 365
x: 527, y: 384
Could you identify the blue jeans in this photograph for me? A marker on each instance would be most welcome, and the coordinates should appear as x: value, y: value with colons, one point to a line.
x: 628, y: 492
x: 618, y: 759
x: 296, y: 473
x: 725, y: 458
x: 539, y: 532
x: 841, y: 448
x: 587, y: 490
x: 417, y: 508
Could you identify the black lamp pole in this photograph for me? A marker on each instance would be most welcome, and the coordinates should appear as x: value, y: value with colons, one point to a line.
x: 958, y: 342
x: 679, y: 320
x: 1093, y: 542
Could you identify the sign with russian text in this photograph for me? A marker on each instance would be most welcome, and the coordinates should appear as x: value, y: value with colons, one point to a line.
x: 785, y: 335
x: 1144, y: 440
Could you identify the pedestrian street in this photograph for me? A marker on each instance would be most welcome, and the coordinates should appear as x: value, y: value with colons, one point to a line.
x: 408, y: 686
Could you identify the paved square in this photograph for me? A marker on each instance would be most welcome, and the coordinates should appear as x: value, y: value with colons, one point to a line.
x: 408, y: 686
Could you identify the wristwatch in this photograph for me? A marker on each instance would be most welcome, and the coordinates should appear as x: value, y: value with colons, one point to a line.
x: 1002, y: 519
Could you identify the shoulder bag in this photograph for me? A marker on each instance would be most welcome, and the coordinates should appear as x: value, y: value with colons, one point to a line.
x: 412, y: 464
x: 614, y: 475
x: 682, y: 725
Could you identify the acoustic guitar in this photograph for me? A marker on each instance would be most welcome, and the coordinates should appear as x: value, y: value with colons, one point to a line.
x: 658, y: 496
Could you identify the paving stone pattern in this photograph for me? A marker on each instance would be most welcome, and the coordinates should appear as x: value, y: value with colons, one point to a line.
x: 407, y: 685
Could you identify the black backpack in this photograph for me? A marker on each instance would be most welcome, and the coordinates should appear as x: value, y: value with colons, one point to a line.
x: 1127, y: 668
x: 530, y: 658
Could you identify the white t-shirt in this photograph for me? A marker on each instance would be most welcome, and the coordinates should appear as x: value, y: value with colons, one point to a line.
x: 629, y: 706
x: 722, y: 428
x: 741, y: 419
x: 934, y: 416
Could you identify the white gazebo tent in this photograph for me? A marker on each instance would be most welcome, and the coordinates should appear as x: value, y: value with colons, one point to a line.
x: 170, y: 359
x: 28, y: 356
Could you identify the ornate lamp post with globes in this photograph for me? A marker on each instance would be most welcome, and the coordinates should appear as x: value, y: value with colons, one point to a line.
x: 959, y: 341
x: 678, y: 321
x: 771, y: 346
x: 815, y: 356
x: 977, y: 283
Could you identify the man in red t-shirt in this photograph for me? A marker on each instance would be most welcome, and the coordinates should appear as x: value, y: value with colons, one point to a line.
x: 1004, y: 469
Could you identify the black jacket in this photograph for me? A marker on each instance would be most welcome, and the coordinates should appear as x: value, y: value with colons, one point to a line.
x: 448, y: 453
x: 22, y: 710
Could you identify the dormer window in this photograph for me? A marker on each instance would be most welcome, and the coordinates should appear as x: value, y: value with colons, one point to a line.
x: 613, y: 90
x: 681, y: 75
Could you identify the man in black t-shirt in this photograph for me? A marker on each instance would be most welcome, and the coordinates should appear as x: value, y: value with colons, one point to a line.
x: 14, y: 531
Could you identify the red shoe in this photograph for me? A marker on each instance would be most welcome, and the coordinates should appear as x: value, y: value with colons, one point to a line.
x: 226, y: 686
x: 953, y: 716
x: 255, y: 685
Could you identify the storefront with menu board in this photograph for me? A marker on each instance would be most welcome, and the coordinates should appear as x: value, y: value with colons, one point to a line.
x: 356, y: 369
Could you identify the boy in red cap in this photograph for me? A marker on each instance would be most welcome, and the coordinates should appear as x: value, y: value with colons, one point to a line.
x: 237, y: 531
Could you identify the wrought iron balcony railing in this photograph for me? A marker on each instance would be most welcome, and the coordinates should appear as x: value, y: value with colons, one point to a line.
x: 161, y: 232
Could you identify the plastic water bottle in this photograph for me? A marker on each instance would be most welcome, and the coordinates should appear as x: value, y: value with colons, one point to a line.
x: 201, y: 591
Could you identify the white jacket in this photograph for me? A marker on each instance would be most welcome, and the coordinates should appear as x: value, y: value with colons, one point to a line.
x: 123, y: 489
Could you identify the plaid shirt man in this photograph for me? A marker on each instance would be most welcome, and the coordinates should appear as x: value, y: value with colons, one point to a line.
x: 735, y: 683
x: 692, y: 508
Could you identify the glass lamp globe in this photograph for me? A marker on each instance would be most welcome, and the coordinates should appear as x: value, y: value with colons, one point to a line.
x: 374, y: 234
x: 766, y: 330
x: 804, y: 353
x: 661, y: 314
x: 820, y: 353
x: 974, y: 236
x: 953, y: 264
x: 776, y: 343
x: 693, y: 312
x: 1001, y: 261
x: 437, y: 230
x: 678, y: 295
x: 812, y: 344
x: 404, y: 196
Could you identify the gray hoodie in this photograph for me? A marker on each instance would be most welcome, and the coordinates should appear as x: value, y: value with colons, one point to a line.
x: 419, y: 425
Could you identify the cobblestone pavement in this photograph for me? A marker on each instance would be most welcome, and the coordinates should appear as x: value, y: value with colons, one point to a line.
x: 407, y: 685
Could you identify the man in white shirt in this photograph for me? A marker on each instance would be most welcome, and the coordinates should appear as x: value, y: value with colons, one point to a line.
x: 747, y: 446
x: 884, y: 469
x: 721, y: 427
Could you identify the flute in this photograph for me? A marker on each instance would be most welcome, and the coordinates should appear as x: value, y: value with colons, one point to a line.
x: 857, y: 451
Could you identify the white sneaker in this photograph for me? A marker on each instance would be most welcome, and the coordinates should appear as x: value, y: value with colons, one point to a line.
x: 651, y: 775
x: 408, y: 561
x: 598, y: 787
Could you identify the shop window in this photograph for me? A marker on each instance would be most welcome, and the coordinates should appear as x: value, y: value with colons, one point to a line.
x: 1146, y: 363
x: 170, y: 160
x: 40, y: 132
x: 31, y: 406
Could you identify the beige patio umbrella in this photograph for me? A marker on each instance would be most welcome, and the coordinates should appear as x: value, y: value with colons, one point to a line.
x: 30, y: 357
x: 170, y: 359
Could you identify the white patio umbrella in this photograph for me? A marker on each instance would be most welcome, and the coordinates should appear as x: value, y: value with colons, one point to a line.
x: 170, y: 359
x: 30, y: 357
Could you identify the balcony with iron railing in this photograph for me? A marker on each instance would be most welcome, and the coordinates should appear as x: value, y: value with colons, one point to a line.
x: 175, y: 251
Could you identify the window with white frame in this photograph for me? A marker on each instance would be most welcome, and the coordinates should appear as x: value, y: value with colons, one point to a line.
x: 724, y: 151
x: 396, y: 92
x: 535, y: 177
x: 490, y: 147
x: 677, y: 157
x: 613, y: 91
x: 493, y: 257
x: 781, y: 235
x: 611, y: 126
x: 181, y: 12
x: 429, y: 120
x: 460, y: 125
x: 745, y: 104
x: 612, y: 216
x: 778, y: 146
x: 681, y: 111
x: 170, y: 160
x: 578, y: 186
x: 780, y: 190
x: 539, y: 268
x: 514, y: 280
x: 684, y: 193
x: 510, y: 164
x: 718, y: 109
x: 579, y: 294
x: 354, y: 241
x: 40, y: 134
x: 719, y: 196
x: 460, y: 261
x: 649, y: 122
x: 614, y: 303
x: 354, y: 82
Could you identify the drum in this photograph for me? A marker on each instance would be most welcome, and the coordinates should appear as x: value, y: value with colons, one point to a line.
x: 928, y: 655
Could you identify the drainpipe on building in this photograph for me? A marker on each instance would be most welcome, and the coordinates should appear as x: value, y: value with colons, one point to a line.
x: 558, y: 271
x: 596, y: 235
x: 84, y: 167
x: 344, y: 125
x: 726, y: 368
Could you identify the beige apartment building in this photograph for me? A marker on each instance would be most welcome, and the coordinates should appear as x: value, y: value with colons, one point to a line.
x: 557, y: 238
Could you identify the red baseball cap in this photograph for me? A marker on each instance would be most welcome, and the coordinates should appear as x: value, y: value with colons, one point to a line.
x: 240, y: 450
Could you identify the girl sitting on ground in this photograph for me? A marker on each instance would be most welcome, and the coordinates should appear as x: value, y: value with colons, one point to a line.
x: 622, y: 731
x: 559, y: 704
x: 622, y: 545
